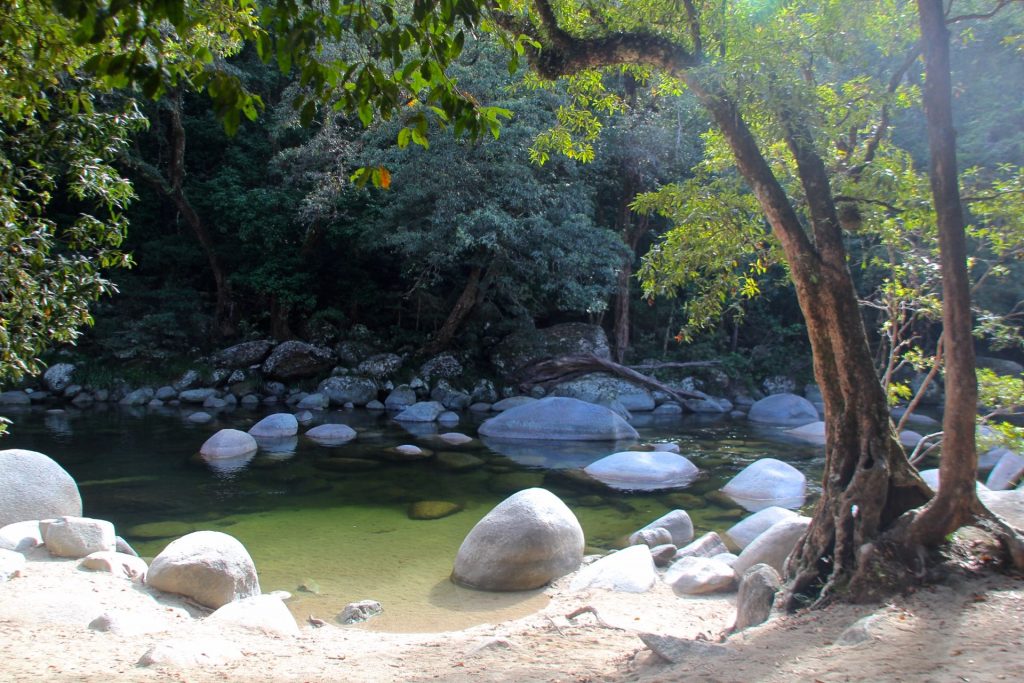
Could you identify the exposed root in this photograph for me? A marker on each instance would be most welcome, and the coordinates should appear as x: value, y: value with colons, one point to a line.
x: 588, y: 609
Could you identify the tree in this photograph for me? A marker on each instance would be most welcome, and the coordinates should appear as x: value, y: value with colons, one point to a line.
x: 61, y: 200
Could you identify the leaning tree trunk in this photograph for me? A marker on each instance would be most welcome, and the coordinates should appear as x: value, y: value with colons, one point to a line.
x: 867, y: 482
x: 458, y: 314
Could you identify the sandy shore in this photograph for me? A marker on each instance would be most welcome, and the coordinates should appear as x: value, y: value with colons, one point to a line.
x: 970, y: 628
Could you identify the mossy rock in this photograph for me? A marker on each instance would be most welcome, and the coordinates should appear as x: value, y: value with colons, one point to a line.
x: 167, y: 529
x: 458, y: 462
x: 724, y: 515
x: 574, y: 479
x: 510, y: 482
x: 683, y: 501
x: 433, y: 509
x: 346, y: 464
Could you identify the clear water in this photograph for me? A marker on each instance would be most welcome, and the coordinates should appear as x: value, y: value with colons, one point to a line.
x: 345, y: 534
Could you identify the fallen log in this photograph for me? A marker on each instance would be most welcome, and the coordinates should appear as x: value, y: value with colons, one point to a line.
x: 548, y: 372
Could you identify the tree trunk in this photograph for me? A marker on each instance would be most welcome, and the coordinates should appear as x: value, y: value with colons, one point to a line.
x: 867, y: 482
x: 957, y: 499
x: 458, y: 314
x: 620, y: 333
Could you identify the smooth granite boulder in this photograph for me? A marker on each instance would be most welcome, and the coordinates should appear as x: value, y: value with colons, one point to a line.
x: 767, y: 482
x: 210, y: 567
x: 78, y: 536
x: 276, y: 426
x: 643, y: 470
x: 331, y: 434
x: 696, y: 575
x: 33, y: 486
x: 229, y: 444
x: 783, y: 409
x: 599, y: 388
x: 677, y: 523
x: 557, y: 418
x: 773, y: 546
x: 811, y: 433
x: 1007, y: 472
x: 746, y: 530
x: 348, y: 389
x: 526, y: 541
x: 630, y: 570
x: 424, y: 411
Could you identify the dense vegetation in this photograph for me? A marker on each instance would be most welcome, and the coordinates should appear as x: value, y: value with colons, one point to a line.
x: 722, y: 149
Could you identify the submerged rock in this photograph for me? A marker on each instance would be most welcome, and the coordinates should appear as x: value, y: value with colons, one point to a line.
x: 767, y: 482
x: 433, y: 509
x: 331, y: 434
x: 356, y: 612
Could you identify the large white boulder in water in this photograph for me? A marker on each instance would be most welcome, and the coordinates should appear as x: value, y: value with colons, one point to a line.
x: 276, y: 426
x: 557, y: 418
x: 767, y: 482
x: 526, y: 541
x: 228, y: 444
x: 643, y: 470
x: 32, y: 486
x: 210, y: 567
x: 783, y: 409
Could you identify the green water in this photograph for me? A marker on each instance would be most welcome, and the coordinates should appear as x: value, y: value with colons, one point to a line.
x: 346, y: 533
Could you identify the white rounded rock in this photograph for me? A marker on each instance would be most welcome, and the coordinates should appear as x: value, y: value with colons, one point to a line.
x: 331, y: 434
x: 629, y: 571
x: 698, y: 575
x: 229, y: 444
x: 746, y: 530
x: 78, y: 536
x: 557, y: 418
x: 773, y: 546
x: 33, y: 486
x: 210, y: 567
x: 767, y: 482
x: 526, y: 541
x: 276, y: 426
x: 260, y: 613
x: 643, y: 470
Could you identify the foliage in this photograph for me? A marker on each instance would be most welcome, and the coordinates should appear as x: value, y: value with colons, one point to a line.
x: 61, y: 201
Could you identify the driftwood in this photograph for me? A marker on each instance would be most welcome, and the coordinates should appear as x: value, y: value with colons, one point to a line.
x: 550, y: 371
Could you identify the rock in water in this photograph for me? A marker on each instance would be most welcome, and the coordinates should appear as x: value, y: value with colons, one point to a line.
x: 32, y: 486
x: 355, y: 612
x: 276, y: 426
x: 559, y: 419
x: 331, y: 434
x: 783, y: 409
x: 228, y: 444
x: 767, y: 482
x: 744, y: 532
x: 773, y: 546
x: 526, y: 541
x: 210, y: 567
x: 643, y: 470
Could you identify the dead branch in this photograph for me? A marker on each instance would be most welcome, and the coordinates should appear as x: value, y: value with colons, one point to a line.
x: 550, y: 371
x: 587, y: 609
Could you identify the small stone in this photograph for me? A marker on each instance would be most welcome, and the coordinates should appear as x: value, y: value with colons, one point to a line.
x: 356, y: 612
x: 663, y: 554
x: 678, y: 650
x: 754, y: 600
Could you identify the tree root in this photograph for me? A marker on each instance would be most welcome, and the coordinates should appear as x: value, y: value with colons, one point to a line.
x: 587, y: 609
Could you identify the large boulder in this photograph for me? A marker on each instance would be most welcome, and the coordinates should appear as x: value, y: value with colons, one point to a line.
x: 557, y: 418
x: 643, y: 470
x: 773, y: 546
x: 15, y: 398
x: 347, y: 389
x: 811, y: 433
x: 276, y: 426
x: 629, y: 571
x: 400, y: 398
x: 424, y: 411
x: 783, y: 409
x: 295, y: 360
x: 78, y: 536
x: 526, y: 541
x: 331, y: 434
x: 228, y: 444
x: 602, y: 389
x: 58, y: 377
x: 380, y: 366
x: 32, y: 486
x: 567, y: 339
x: 441, y: 366
x: 243, y: 355
x: 450, y: 398
x: 767, y: 482
x: 745, y: 531
x: 1007, y: 472
x: 210, y: 567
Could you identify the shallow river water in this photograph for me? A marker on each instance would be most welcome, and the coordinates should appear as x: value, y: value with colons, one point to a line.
x: 334, y: 520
